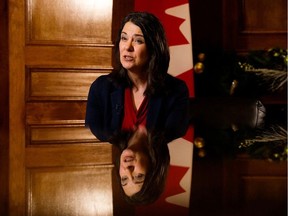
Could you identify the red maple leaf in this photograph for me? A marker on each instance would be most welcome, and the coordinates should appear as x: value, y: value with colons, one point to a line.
x: 171, y: 24
x: 161, y: 207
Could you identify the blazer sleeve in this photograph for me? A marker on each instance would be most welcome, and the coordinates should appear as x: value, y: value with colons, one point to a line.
x: 95, y: 109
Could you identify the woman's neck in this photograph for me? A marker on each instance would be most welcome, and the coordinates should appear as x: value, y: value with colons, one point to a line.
x: 138, y: 88
x: 139, y: 81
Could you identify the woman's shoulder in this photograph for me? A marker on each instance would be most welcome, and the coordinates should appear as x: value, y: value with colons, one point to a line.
x: 102, y: 81
x: 174, y: 82
x: 103, y: 78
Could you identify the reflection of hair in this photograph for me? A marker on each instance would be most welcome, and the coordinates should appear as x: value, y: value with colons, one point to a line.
x: 155, y: 180
x: 157, y: 46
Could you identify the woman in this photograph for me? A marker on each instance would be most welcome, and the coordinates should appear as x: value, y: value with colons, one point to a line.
x: 139, y: 91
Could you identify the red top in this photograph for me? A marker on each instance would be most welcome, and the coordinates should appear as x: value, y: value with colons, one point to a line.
x: 132, y: 116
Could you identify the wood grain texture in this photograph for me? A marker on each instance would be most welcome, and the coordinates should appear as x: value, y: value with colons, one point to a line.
x: 60, y: 22
x: 254, y: 186
x: 69, y: 56
x: 16, y: 108
x: 64, y: 112
x: 69, y: 155
x: 264, y: 17
x: 251, y: 25
x: 51, y: 134
x: 60, y: 83
x: 70, y: 191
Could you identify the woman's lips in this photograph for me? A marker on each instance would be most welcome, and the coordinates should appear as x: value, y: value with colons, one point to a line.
x: 128, y: 58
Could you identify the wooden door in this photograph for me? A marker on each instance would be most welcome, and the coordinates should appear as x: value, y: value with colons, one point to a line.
x: 226, y: 183
x: 56, y: 49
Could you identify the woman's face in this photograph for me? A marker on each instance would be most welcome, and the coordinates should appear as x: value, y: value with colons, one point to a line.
x: 134, y: 163
x: 132, y: 48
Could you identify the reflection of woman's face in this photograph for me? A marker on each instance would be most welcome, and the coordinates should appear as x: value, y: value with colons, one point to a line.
x: 134, y: 163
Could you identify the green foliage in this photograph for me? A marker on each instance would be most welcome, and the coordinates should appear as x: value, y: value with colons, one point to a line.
x: 264, y: 72
x: 269, y: 67
x: 267, y: 143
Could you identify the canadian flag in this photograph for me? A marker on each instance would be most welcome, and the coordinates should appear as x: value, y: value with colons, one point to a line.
x: 175, y: 17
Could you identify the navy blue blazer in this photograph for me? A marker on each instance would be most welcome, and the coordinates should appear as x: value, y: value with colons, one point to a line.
x: 167, y: 112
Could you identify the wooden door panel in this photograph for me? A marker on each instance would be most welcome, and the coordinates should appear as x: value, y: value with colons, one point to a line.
x: 60, y: 84
x: 59, y: 112
x: 70, y: 21
x: 253, y: 21
x: 253, y: 24
x: 59, y: 133
x: 69, y: 155
x: 71, y: 56
x: 254, y: 186
x: 69, y: 191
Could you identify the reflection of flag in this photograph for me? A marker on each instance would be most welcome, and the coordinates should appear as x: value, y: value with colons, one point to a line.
x: 175, y: 17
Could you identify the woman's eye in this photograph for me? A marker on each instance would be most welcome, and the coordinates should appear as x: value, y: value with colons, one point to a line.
x: 123, y: 38
x: 139, y: 40
x: 140, y: 177
x: 124, y: 179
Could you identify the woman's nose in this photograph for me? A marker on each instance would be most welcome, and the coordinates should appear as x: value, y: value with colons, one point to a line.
x: 129, y: 45
x: 130, y: 168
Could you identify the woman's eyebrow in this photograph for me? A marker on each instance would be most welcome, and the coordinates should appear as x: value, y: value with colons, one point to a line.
x: 134, y: 181
x: 135, y: 35
x: 139, y: 35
